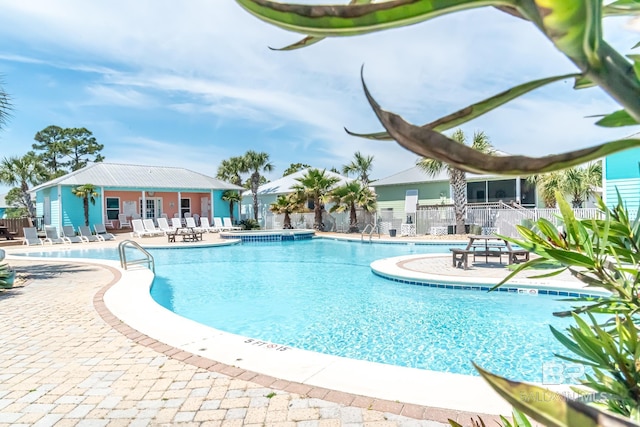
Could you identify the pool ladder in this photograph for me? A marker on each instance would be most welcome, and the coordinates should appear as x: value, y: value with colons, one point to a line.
x: 371, y: 229
x: 124, y: 263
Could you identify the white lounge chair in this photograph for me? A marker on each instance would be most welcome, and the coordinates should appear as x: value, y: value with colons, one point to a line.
x: 31, y: 236
x: 205, y: 226
x: 70, y: 233
x: 191, y: 223
x: 87, y: 235
x: 52, y: 235
x: 227, y: 223
x: 164, y: 226
x: 151, y: 227
x: 124, y: 221
x: 176, y: 223
x: 102, y: 233
x: 138, y: 229
x: 217, y: 223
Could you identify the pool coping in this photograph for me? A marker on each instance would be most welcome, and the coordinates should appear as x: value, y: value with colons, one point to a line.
x: 411, y: 392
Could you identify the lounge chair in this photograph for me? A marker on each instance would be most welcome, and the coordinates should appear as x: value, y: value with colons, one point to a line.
x: 217, y: 223
x: 31, y: 236
x: 139, y: 230
x: 102, y: 233
x: 205, y: 226
x: 52, y: 236
x: 196, y: 217
x: 70, y: 233
x: 191, y: 223
x: 227, y: 223
x: 123, y: 221
x: 164, y: 226
x: 176, y: 223
x: 151, y: 227
x: 87, y: 235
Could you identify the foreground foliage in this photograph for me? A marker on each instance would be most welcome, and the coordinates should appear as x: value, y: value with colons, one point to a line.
x: 573, y: 26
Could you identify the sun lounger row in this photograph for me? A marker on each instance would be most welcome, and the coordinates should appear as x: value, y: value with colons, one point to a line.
x: 68, y: 235
x: 146, y: 227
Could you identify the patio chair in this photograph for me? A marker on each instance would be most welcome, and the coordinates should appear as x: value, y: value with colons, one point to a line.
x: 70, y: 233
x: 176, y: 223
x: 151, y: 228
x: 205, y: 226
x: 217, y: 223
x: 196, y: 218
x: 124, y: 221
x: 102, y: 233
x: 31, y: 236
x: 227, y: 223
x: 191, y: 223
x: 86, y: 234
x: 52, y: 236
x: 164, y: 226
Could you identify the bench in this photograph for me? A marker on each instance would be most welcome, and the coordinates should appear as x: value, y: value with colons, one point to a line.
x: 488, y: 250
x: 517, y: 255
x: 460, y: 257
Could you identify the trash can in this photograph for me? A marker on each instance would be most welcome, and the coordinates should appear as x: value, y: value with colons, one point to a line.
x: 392, y: 232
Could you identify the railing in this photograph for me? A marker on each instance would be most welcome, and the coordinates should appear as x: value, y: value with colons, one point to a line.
x: 124, y: 263
x: 371, y: 229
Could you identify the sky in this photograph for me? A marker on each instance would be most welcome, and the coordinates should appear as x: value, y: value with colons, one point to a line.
x: 189, y: 84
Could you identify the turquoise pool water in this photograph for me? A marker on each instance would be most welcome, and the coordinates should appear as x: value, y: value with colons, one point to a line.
x: 320, y: 295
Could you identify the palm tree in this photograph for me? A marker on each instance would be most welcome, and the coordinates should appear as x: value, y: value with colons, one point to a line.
x: 5, y: 106
x: 23, y: 172
x: 361, y: 166
x: 458, y: 178
x: 255, y: 163
x: 287, y: 204
x: 231, y: 196
x: 315, y: 184
x: 349, y: 197
x: 230, y: 170
x: 578, y: 182
x: 547, y: 184
x: 87, y: 193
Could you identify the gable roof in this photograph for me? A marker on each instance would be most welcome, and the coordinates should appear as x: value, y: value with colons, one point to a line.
x: 416, y: 175
x: 285, y: 184
x: 139, y: 176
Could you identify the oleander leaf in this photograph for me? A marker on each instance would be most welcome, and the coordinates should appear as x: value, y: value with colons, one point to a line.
x: 574, y: 26
x: 475, y: 110
x: 434, y: 145
x: 549, y: 408
x: 622, y: 7
x: 636, y: 64
x: 617, y: 119
x: 309, y: 40
x: 583, y: 83
x: 349, y: 20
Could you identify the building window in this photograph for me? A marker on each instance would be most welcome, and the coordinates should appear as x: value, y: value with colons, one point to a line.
x: 113, y: 207
x: 185, y: 206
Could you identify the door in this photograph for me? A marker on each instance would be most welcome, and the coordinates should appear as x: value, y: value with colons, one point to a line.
x: 204, y: 207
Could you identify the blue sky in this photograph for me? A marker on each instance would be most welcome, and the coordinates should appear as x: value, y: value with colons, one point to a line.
x: 189, y: 84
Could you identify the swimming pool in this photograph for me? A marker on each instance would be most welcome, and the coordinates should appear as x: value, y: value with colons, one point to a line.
x: 321, y: 295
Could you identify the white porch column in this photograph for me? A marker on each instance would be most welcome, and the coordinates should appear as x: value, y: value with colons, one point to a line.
x: 518, y: 189
x: 102, y: 201
x: 60, y: 211
x: 144, y: 206
x: 179, y: 205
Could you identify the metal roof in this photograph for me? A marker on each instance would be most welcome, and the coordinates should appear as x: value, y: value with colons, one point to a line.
x: 139, y: 176
x: 416, y: 175
x: 285, y: 184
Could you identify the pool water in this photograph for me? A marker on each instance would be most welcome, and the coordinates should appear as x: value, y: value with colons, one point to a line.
x: 321, y: 295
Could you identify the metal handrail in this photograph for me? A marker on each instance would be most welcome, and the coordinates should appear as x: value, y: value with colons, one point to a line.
x: 372, y: 229
x: 123, y: 255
